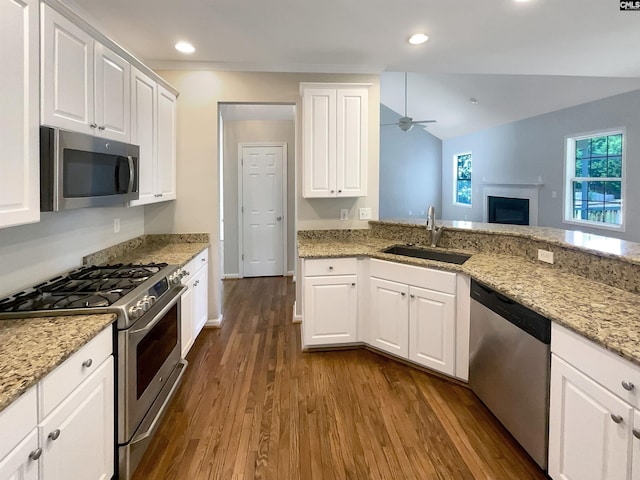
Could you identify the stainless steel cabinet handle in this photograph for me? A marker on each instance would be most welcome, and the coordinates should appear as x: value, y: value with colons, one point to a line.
x: 93, y: 125
x: 627, y: 385
x: 636, y: 433
x: 36, y: 454
x: 616, y: 418
x: 101, y: 127
x: 87, y: 363
x: 55, y: 434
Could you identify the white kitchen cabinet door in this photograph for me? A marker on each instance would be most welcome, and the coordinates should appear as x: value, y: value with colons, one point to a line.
x: 319, y: 133
x: 19, y: 113
x: 200, y: 300
x: 112, y: 94
x: 186, y: 319
x: 166, y: 149
x: 330, y: 310
x: 351, y: 142
x: 432, y: 334
x: 67, y: 74
x: 389, y: 316
x: 143, y: 133
x: 589, y: 428
x: 635, y: 446
x: 22, y: 462
x: 77, y: 438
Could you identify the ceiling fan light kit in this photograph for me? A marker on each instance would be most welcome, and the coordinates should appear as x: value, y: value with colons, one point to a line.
x: 406, y: 123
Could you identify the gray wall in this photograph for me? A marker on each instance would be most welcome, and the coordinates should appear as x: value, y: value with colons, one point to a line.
x: 524, y: 151
x: 410, y: 170
x: 254, y: 131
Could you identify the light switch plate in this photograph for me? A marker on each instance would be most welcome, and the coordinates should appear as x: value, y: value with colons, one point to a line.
x: 116, y: 225
x: 344, y: 214
x: 365, y: 214
x: 545, y: 256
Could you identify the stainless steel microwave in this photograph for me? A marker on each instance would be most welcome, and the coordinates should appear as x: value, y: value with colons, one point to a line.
x: 79, y: 170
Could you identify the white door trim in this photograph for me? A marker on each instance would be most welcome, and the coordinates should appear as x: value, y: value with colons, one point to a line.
x: 241, y: 146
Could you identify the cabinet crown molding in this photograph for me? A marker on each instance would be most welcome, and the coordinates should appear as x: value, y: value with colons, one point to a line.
x: 306, y: 85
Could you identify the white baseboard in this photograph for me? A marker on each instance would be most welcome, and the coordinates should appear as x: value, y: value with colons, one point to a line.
x: 290, y: 273
x: 296, y: 318
x: 231, y: 276
x: 214, y: 322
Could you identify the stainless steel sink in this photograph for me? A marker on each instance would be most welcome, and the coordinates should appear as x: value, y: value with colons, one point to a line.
x: 417, y: 252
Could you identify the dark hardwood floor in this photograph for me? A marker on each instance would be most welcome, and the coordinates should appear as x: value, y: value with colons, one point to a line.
x: 252, y: 405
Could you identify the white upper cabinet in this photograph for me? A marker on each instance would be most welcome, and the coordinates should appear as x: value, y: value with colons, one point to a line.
x: 19, y: 113
x: 335, y: 138
x: 85, y: 86
x: 166, y: 179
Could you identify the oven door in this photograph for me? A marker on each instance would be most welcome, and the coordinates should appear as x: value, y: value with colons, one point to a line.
x: 148, y: 353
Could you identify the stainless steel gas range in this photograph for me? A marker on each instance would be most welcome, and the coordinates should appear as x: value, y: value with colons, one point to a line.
x: 146, y: 299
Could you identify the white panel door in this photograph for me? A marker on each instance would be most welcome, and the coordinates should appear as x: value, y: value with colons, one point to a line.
x: 19, y: 464
x: 330, y: 310
x: 143, y: 132
x: 319, y: 139
x: 112, y: 94
x: 166, y: 179
x: 589, y: 428
x: 68, y: 74
x: 77, y: 438
x: 389, y: 320
x: 351, y: 142
x: 432, y: 334
x: 262, y: 211
x: 19, y: 113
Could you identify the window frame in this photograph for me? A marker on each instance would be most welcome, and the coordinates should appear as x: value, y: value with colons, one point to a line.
x: 570, y: 177
x: 455, y: 180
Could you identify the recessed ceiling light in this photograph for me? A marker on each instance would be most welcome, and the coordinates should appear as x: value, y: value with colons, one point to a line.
x: 418, y: 39
x: 185, y: 47
x: 473, y: 100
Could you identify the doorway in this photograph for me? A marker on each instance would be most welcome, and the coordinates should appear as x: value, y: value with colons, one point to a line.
x: 262, y: 192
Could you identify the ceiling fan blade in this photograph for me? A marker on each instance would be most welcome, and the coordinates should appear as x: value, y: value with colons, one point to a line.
x: 424, y: 121
x: 387, y: 124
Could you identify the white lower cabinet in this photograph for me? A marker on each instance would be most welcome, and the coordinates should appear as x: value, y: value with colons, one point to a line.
x: 195, y: 301
x: 73, y: 437
x: 388, y: 319
x: 330, y: 307
x: 48, y: 434
x: 594, y: 431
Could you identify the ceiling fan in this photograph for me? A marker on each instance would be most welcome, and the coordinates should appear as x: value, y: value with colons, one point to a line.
x: 406, y: 123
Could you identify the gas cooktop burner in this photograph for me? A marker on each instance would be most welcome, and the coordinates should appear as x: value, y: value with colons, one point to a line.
x: 87, y: 287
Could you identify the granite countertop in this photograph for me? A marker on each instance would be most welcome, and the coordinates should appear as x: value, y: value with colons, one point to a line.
x: 33, y: 347
x: 606, y: 315
x: 172, y: 253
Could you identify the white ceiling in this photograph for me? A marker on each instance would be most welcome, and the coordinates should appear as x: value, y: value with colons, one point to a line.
x: 518, y: 58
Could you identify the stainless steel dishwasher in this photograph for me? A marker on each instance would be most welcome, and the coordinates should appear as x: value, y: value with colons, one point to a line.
x: 509, y: 366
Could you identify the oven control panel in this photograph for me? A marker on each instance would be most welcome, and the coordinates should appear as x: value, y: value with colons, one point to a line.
x: 176, y: 277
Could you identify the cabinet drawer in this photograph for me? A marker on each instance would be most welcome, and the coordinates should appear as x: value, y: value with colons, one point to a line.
x: 330, y: 266
x: 423, y: 277
x: 603, y: 366
x: 195, y: 264
x: 56, y: 386
x: 17, y: 420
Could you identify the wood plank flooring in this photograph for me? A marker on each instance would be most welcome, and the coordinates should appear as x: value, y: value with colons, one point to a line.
x: 252, y: 405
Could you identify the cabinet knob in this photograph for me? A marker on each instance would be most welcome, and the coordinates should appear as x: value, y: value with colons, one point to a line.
x: 616, y: 418
x: 353, y: 284
x: 36, y: 454
x: 278, y: 218
x: 339, y: 191
x: 55, y: 434
x: 402, y: 293
x: 628, y: 386
x: 101, y: 127
x: 93, y: 125
x: 333, y: 191
x: 412, y: 296
x: 636, y: 433
x: 87, y: 363
x: 330, y: 267
x: 203, y: 259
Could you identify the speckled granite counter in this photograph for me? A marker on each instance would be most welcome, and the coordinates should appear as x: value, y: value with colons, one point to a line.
x: 33, y: 347
x: 605, y: 314
x: 175, y: 249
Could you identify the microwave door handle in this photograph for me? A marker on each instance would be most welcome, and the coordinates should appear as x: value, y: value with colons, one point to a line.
x: 132, y: 174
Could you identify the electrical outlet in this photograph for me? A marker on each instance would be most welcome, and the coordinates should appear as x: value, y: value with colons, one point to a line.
x: 545, y: 256
x: 554, y: 194
x: 365, y: 214
x: 344, y: 214
x: 116, y: 225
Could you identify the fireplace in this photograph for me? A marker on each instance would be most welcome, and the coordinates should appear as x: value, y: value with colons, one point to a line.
x: 509, y: 210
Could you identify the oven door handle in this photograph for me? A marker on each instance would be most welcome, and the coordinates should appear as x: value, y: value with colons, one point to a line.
x: 161, y: 313
x: 142, y: 435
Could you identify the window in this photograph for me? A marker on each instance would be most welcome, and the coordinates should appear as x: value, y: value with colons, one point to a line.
x: 462, y: 179
x: 594, y: 188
